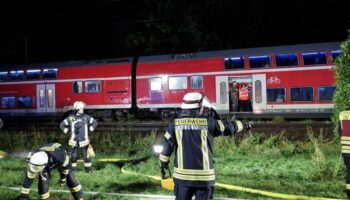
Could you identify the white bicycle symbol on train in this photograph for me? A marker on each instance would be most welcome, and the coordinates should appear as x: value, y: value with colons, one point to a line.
x: 273, y: 79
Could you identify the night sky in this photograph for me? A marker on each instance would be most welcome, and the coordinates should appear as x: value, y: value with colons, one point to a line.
x: 102, y: 28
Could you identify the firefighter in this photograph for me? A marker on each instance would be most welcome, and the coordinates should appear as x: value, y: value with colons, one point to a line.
x: 243, y: 98
x: 234, y: 97
x: 191, y: 136
x: 79, y: 125
x: 41, y: 163
x: 344, y: 118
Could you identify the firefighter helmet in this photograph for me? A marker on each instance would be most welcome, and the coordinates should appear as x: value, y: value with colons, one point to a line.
x: 195, y: 100
x: 79, y: 104
x: 38, y: 161
x: 192, y: 100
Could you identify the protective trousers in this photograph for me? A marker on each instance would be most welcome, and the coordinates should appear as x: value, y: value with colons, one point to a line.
x: 87, y: 160
x: 72, y: 183
x: 186, y: 193
x: 347, y: 177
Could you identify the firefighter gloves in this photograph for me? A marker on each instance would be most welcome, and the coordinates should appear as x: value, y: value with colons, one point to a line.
x: 247, y: 126
x: 163, y: 167
x: 62, y: 182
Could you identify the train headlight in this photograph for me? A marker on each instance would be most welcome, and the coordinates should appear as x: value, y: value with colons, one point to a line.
x: 157, y: 149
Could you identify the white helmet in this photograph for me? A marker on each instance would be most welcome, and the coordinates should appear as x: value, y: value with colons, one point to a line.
x: 38, y: 161
x: 79, y: 104
x: 195, y: 100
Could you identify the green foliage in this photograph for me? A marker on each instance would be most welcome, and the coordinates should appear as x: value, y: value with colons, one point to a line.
x: 269, y: 163
x: 342, y: 84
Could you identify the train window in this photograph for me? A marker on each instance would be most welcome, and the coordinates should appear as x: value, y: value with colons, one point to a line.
x: 178, y: 83
x: 49, y: 98
x: 335, y: 54
x: 223, y: 92
x: 315, y: 58
x: 24, y: 102
x: 7, y: 102
x: 3, y: 76
x: 302, y: 94
x: 41, y: 98
x: 197, y: 82
x: 276, y: 95
x: 77, y: 87
x: 33, y: 74
x: 17, y: 75
x: 258, y: 91
x: 49, y: 73
x: 259, y: 61
x: 234, y: 63
x: 156, y: 83
x: 286, y: 59
x: 326, y: 93
x: 92, y: 86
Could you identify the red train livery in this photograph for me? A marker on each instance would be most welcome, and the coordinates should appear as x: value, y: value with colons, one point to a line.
x: 294, y: 79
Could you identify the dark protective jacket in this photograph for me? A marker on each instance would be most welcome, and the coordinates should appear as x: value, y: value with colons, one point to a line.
x: 344, y: 118
x: 79, y: 127
x: 57, y: 159
x: 192, y: 137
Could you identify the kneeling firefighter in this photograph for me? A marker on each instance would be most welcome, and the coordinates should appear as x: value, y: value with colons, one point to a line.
x: 191, y: 137
x: 42, y: 162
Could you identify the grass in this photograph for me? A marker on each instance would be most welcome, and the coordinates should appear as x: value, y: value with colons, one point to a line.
x: 270, y: 163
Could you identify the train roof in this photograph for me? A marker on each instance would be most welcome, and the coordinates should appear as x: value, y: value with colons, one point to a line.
x: 258, y: 51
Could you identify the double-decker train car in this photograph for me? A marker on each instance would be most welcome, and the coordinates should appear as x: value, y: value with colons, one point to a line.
x: 293, y: 80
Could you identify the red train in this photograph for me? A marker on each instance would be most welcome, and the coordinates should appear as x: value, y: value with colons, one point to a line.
x: 294, y: 79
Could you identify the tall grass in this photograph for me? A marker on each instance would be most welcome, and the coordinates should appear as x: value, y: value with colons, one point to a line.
x: 270, y: 163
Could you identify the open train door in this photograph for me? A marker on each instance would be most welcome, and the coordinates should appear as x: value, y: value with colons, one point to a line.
x: 259, y: 93
x: 222, y: 101
x: 45, y: 95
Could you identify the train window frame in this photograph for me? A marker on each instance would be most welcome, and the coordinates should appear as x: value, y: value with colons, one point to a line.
x: 12, y: 102
x: 156, y: 84
x: 197, y: 82
x: 88, y: 86
x: 276, y: 99
x: 316, y: 56
x: 16, y: 75
x: 4, y: 75
x: 319, y: 94
x: 26, y: 103
x: 291, y: 59
x: 256, y: 62
x: 50, y: 73
x: 234, y: 63
x: 174, y: 84
x: 291, y: 94
x: 37, y: 73
x: 77, y: 87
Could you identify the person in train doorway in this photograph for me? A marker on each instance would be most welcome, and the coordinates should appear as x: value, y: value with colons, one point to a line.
x: 191, y: 136
x: 344, y: 118
x: 234, y: 97
x: 41, y: 163
x: 79, y: 125
x: 243, y: 98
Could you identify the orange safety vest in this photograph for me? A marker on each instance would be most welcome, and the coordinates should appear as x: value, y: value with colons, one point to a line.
x: 344, y: 118
x: 243, y: 94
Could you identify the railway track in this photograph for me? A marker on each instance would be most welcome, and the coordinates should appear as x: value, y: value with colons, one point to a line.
x: 292, y: 130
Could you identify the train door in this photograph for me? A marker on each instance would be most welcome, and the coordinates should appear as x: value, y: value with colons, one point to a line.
x: 259, y: 93
x: 45, y: 95
x: 222, y: 101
